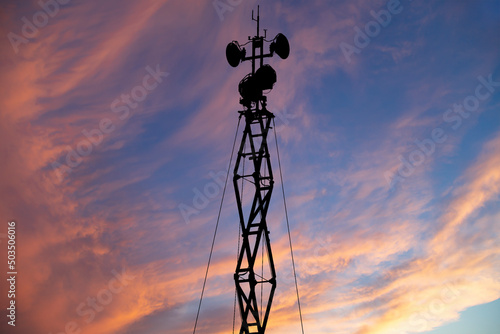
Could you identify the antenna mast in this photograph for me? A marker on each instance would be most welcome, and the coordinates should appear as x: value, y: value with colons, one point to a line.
x: 253, y: 151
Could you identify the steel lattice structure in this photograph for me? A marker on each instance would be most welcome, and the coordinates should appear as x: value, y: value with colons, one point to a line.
x: 253, y: 225
x: 254, y: 151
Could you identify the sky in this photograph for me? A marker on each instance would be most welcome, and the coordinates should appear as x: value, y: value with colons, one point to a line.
x: 117, y: 120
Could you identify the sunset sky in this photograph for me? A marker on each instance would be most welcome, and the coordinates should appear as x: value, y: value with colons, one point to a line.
x: 116, y: 116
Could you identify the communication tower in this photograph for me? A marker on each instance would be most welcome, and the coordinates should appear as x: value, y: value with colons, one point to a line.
x: 255, y: 286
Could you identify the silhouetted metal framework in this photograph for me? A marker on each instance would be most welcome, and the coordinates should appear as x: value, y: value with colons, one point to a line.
x: 253, y: 284
x: 253, y: 225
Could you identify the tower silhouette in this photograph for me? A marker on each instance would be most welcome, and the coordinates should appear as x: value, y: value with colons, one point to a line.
x: 253, y: 151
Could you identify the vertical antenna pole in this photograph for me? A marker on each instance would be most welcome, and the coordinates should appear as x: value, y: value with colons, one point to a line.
x: 258, y: 19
